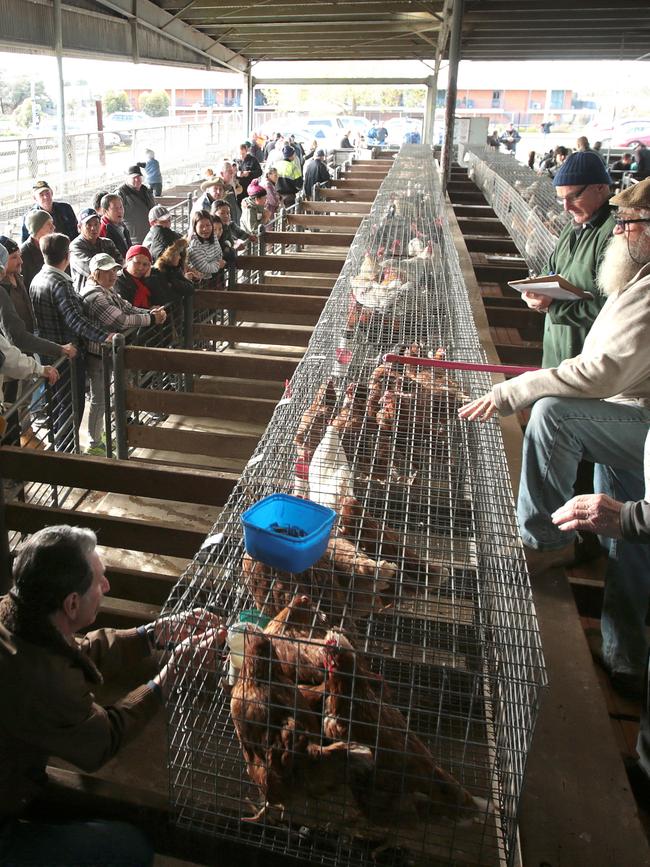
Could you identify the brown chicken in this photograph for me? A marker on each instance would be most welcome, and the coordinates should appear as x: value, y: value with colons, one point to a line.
x: 382, y: 541
x: 315, y: 420
x: 345, y: 582
x: 298, y: 636
x: 298, y: 778
x: 356, y: 429
x: 407, y: 783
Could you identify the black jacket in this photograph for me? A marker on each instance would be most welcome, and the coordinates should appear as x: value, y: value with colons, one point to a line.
x: 158, y: 239
x: 315, y: 173
x: 122, y: 243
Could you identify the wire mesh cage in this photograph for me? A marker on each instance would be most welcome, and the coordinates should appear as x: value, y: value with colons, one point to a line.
x: 377, y: 707
x: 524, y: 201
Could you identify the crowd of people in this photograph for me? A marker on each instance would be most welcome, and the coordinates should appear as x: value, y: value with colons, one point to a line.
x: 74, y: 280
x: 633, y: 165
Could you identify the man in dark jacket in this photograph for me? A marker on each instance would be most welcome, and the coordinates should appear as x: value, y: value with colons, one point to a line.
x: 112, y: 225
x: 582, y: 185
x: 60, y: 318
x: 248, y: 169
x: 49, y: 673
x: 39, y: 224
x: 88, y: 244
x: 316, y: 172
x: 138, y: 201
x: 65, y: 220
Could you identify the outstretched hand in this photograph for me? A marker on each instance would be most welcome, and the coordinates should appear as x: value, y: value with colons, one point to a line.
x: 481, y: 409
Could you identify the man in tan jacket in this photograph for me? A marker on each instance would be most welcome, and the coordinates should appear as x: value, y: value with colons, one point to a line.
x: 48, y: 676
x: 594, y: 406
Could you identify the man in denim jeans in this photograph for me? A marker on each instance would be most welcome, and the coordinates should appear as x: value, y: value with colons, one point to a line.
x: 595, y: 406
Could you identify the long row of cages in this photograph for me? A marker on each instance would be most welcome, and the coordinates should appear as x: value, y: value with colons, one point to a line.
x: 524, y: 201
x: 378, y: 707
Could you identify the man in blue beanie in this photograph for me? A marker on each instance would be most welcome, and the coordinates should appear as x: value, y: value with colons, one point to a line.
x: 582, y: 186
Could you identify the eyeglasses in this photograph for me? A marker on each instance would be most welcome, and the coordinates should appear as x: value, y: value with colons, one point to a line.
x: 572, y: 197
x: 622, y: 222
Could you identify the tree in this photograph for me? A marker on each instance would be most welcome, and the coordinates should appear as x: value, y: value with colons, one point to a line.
x: 391, y: 97
x: 14, y: 91
x: 116, y: 100
x: 415, y: 97
x: 155, y: 103
x: 23, y: 113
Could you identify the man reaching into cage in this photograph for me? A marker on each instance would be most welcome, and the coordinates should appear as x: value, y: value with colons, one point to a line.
x: 595, y: 406
x: 49, y: 674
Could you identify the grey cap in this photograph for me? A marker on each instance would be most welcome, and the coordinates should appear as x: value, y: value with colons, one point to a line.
x: 103, y: 262
x: 158, y: 212
x: 4, y: 257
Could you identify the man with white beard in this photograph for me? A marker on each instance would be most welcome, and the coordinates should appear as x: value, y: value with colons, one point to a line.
x: 595, y: 406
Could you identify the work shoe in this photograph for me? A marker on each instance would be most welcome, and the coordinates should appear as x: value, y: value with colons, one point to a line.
x: 540, y: 562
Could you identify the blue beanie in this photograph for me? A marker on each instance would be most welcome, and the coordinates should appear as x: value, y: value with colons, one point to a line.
x: 582, y: 167
x: 287, y: 152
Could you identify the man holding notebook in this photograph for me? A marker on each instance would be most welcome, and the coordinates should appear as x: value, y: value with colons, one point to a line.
x: 595, y: 406
x: 582, y: 186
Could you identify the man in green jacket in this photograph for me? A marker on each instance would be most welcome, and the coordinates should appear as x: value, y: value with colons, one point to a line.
x: 48, y: 676
x: 582, y: 185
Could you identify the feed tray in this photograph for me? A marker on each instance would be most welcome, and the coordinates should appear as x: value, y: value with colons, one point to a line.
x: 287, y: 532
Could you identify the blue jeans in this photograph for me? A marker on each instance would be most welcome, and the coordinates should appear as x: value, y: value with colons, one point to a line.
x: 561, y: 432
x: 76, y: 844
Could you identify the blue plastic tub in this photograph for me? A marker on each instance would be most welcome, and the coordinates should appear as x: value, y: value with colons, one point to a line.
x: 287, y: 532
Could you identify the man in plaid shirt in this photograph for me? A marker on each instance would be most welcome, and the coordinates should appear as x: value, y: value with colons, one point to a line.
x: 59, y: 314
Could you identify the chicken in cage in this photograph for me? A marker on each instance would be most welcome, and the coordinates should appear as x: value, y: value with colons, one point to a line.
x: 377, y: 706
x: 327, y: 748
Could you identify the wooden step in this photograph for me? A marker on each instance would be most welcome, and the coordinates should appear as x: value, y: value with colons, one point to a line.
x: 186, y: 441
x: 254, y: 334
x: 233, y: 408
x: 260, y: 303
x: 295, y: 262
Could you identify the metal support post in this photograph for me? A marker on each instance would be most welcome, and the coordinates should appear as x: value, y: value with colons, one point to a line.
x: 5, y: 551
x: 58, y: 50
x: 430, y: 109
x: 119, y: 390
x: 261, y: 241
x: 77, y: 411
x: 248, y: 100
x: 108, y: 403
x: 188, y: 336
x: 452, y: 90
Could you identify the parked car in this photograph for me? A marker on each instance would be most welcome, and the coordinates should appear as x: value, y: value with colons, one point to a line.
x: 630, y: 133
x: 400, y: 128
x: 625, y: 134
